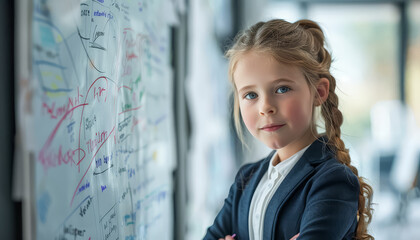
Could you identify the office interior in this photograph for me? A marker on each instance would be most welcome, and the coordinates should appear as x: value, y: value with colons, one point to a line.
x: 375, y: 46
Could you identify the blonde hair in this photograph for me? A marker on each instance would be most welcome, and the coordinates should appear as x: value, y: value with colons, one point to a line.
x: 302, y: 44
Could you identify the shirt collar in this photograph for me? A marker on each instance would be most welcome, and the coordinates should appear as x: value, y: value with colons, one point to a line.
x: 283, y: 167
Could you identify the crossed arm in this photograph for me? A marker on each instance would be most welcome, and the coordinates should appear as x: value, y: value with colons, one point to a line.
x: 330, y: 208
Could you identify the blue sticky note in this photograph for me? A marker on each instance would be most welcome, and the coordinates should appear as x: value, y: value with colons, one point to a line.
x: 47, y: 36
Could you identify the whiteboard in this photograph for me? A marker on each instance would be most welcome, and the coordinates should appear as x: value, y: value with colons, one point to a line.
x: 102, y: 121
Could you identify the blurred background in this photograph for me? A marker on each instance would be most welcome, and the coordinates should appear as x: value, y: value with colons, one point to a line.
x: 376, y: 50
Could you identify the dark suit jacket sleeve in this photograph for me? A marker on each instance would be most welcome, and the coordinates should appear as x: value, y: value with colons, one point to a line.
x: 223, y: 224
x: 331, y: 207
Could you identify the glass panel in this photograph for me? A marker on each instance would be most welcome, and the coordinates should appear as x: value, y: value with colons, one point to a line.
x: 413, y: 61
x: 283, y: 10
x: 377, y: 128
x: 365, y: 60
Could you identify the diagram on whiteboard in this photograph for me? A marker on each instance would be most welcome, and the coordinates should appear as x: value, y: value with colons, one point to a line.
x: 103, y: 120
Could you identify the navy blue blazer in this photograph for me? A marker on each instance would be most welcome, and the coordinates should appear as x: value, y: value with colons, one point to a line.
x: 318, y: 199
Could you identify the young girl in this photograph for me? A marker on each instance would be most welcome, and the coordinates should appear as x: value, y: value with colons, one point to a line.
x: 306, y: 188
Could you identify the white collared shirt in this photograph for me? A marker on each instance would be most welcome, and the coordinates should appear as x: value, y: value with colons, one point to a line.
x: 265, y: 191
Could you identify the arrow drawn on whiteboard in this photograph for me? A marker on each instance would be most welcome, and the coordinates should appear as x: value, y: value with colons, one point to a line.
x: 97, y: 34
x: 97, y: 173
x: 84, y: 48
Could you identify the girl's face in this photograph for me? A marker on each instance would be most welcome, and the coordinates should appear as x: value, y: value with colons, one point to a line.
x: 275, y: 101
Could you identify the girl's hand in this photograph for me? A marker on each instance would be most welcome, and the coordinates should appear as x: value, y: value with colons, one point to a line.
x: 295, y: 237
x: 227, y: 237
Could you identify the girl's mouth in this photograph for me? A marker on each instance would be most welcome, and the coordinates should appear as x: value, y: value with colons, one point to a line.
x: 272, y: 127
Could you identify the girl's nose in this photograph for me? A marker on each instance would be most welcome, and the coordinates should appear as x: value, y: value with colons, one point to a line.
x: 267, y: 108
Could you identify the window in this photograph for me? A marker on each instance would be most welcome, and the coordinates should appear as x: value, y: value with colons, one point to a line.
x: 365, y: 61
x: 413, y: 61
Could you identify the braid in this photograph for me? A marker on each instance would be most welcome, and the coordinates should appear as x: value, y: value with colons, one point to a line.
x: 333, y: 120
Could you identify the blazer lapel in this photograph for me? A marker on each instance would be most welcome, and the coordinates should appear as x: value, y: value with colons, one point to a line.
x: 245, y: 202
x: 314, y: 154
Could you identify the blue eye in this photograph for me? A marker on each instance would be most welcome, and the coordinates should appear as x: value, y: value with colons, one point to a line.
x: 283, y: 89
x: 251, y: 95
